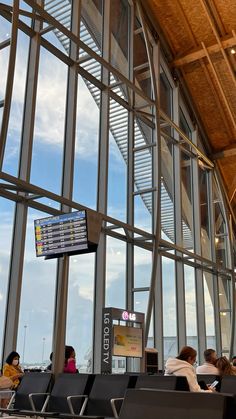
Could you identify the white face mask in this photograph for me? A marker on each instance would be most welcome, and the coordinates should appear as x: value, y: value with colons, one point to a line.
x: 15, y: 362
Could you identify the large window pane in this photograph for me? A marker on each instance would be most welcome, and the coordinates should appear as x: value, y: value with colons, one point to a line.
x: 142, y: 267
x: 115, y: 273
x: 12, y: 150
x: 190, y: 306
x: 80, y: 309
x: 169, y: 308
x: 204, y: 213
x: 221, y: 235
x: 34, y: 342
x: 120, y: 35
x: 117, y: 171
x: 46, y: 170
x: 86, y: 147
x: 187, y: 201
x: 167, y: 192
x: 209, y: 310
x: 225, y: 312
x: 6, y: 224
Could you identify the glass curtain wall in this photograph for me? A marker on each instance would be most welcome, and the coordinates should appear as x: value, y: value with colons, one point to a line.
x: 81, y: 127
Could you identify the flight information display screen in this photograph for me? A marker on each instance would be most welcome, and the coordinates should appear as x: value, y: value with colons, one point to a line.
x: 66, y: 233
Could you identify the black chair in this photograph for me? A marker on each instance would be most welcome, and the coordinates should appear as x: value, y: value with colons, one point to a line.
x: 209, y: 379
x: 160, y: 404
x: 162, y: 382
x: 105, y: 388
x: 67, y: 394
x: 228, y: 384
x: 37, y: 382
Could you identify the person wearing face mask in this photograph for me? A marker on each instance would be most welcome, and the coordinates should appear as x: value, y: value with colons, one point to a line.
x: 12, y: 369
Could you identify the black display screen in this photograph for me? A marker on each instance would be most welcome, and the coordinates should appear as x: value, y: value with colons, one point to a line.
x: 66, y: 233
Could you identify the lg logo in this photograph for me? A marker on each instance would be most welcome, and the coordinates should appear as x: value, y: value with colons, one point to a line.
x: 128, y: 316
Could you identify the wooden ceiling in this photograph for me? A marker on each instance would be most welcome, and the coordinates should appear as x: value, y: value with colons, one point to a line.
x: 201, y: 35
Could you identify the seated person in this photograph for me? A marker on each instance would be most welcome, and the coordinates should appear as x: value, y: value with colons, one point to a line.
x: 234, y: 361
x: 224, y: 367
x: 70, y: 365
x: 182, y: 365
x: 208, y: 367
x: 12, y: 369
x: 49, y: 367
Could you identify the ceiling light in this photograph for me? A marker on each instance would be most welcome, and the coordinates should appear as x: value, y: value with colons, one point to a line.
x: 233, y: 51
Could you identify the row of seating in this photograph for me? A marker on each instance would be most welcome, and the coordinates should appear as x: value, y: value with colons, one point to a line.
x: 160, y: 404
x: 89, y: 394
x: 82, y: 393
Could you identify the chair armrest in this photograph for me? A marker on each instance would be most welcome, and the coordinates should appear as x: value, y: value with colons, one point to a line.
x: 113, y: 406
x: 32, y: 395
x: 78, y: 396
x: 12, y: 392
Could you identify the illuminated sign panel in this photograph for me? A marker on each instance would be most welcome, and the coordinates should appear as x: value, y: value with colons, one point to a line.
x: 127, y: 341
x: 61, y: 234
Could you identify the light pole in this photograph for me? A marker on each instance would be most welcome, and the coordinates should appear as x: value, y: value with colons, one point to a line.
x: 43, y: 349
x: 24, y: 339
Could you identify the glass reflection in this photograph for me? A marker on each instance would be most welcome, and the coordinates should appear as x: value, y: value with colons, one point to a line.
x: 169, y: 308
x: 225, y: 311
x: 209, y: 310
x: 190, y: 306
x: 79, y: 327
x: 6, y: 226
x: 115, y: 273
x: 204, y: 213
x: 187, y: 201
x: 37, y: 302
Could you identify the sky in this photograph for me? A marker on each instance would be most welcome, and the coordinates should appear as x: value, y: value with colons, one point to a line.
x: 38, y: 288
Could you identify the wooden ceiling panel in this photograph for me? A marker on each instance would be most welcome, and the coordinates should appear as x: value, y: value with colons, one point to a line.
x: 201, y: 35
x: 177, y: 35
x: 227, y: 11
x: 199, y: 88
x: 197, y: 20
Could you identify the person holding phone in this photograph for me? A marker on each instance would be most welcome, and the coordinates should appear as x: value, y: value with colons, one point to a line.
x: 183, y: 365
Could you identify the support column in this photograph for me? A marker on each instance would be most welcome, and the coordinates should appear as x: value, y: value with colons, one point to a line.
x: 100, y: 263
x: 180, y: 290
x: 19, y: 230
x: 60, y: 315
x: 200, y: 306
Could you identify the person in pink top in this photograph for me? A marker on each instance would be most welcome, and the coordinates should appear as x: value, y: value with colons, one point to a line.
x: 70, y: 366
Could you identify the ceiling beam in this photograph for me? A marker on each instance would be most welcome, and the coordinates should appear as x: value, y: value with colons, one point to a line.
x: 199, y: 53
x: 228, y: 152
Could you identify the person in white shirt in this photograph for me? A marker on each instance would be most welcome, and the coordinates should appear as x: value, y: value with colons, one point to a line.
x: 182, y: 365
x: 209, y: 365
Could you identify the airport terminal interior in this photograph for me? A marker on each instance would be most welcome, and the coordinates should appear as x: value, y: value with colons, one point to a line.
x: 119, y: 116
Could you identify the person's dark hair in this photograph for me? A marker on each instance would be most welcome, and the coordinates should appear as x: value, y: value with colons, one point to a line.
x: 224, y: 366
x: 68, y: 352
x: 11, y: 356
x: 208, y: 354
x: 186, y: 353
x: 51, y: 355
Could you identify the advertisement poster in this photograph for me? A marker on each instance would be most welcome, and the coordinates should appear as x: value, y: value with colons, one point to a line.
x: 127, y: 341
